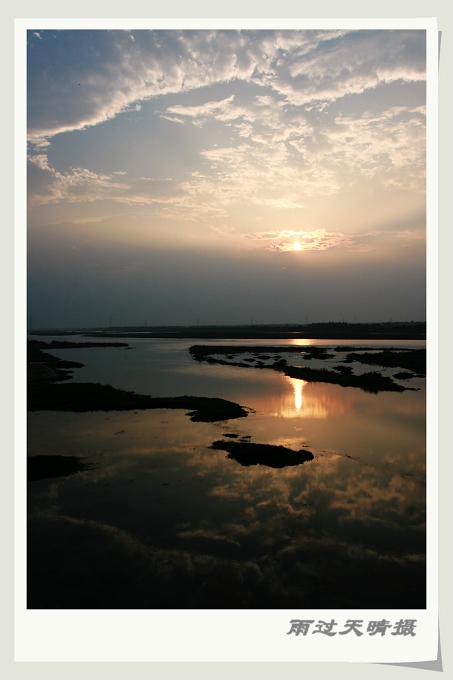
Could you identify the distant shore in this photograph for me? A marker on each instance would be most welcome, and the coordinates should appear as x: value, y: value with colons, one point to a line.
x: 316, y: 331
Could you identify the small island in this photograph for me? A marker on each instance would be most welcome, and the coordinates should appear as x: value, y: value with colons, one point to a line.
x: 247, y: 453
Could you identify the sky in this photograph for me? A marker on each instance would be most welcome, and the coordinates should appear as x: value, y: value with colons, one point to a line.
x: 225, y: 177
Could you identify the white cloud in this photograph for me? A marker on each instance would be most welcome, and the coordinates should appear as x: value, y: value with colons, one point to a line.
x: 93, y: 77
x: 279, y: 157
x: 81, y: 185
x: 41, y: 161
x: 202, y: 111
x: 276, y: 165
x: 390, y: 146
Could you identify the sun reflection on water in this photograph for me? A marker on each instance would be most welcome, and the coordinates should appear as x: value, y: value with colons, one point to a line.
x: 298, y: 390
x: 302, y: 404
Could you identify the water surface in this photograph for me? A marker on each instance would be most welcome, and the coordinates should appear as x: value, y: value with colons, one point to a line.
x: 162, y: 520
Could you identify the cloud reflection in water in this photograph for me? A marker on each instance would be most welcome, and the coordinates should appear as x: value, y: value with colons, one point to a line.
x: 192, y: 528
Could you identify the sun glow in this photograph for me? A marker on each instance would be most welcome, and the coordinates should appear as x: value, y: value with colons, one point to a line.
x: 296, y: 245
x: 298, y: 386
x: 298, y: 394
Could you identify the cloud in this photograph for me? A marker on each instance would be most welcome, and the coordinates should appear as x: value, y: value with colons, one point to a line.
x: 390, y: 145
x: 257, y: 112
x: 258, y: 166
x: 351, y: 63
x: 279, y: 157
x: 320, y: 239
x: 42, y: 162
x: 276, y: 158
x: 82, y: 185
x: 78, y: 79
x: 202, y: 111
x: 281, y: 241
x: 280, y: 165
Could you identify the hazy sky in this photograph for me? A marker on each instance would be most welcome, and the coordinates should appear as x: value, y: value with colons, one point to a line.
x: 224, y: 175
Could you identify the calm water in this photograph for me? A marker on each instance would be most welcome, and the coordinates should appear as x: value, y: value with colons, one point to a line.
x: 162, y: 520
